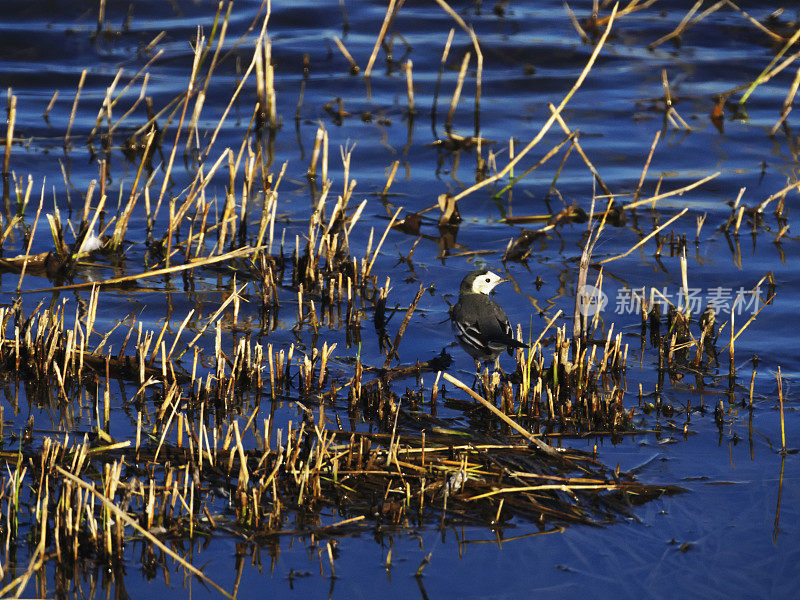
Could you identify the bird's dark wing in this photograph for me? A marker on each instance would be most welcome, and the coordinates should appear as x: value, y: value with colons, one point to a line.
x: 480, y: 322
x: 498, y: 330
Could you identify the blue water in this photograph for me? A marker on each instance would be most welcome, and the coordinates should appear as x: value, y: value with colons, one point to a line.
x: 730, y: 535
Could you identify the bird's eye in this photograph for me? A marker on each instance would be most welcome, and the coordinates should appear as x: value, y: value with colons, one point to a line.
x: 488, y: 280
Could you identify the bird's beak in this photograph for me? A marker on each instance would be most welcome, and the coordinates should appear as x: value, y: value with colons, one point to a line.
x: 502, y: 280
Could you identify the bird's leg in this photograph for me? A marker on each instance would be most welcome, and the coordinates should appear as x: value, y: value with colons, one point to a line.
x: 499, y: 369
x: 477, y: 373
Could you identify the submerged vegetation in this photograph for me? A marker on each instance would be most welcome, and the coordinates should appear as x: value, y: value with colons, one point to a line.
x: 189, y: 434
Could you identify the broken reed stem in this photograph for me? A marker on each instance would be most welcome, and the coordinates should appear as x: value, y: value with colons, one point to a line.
x: 779, y: 194
x: 543, y: 446
x: 750, y: 320
x: 383, y: 238
x: 775, y: 37
x: 645, y: 169
x: 353, y: 66
x: 390, y: 179
x: 154, y: 273
x: 547, y: 486
x: 242, y: 83
x: 30, y: 241
x: 677, y: 192
x: 780, y: 400
x: 684, y: 24
x: 787, y: 104
x: 478, y: 59
x: 142, y: 92
x: 74, y: 108
x: 122, y: 223
x: 11, y: 115
x: 171, y: 161
x: 123, y: 516
x: 387, y: 19
x: 512, y: 180
x: 448, y: 124
x: 549, y: 123
x: 50, y: 105
x: 410, y: 87
x: 403, y: 326
x: 644, y: 239
x: 578, y: 147
x: 766, y: 73
x: 442, y: 64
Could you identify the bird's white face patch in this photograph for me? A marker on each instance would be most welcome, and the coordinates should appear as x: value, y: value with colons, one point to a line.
x: 485, y: 283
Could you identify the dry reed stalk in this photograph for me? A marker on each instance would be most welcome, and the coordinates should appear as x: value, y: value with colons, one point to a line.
x: 11, y: 118
x: 196, y: 263
x: 677, y: 192
x: 576, y: 25
x: 353, y: 66
x: 779, y: 194
x: 239, y: 87
x: 74, y: 109
x: 645, y: 168
x: 50, y: 105
x: 723, y: 96
x: 325, y: 181
x: 671, y: 114
x: 123, y: 516
x: 769, y: 71
x: 550, y: 153
x: 105, y: 107
x: 30, y: 241
x: 142, y: 96
x: 12, y: 224
x: 448, y: 124
x: 787, y: 104
x: 632, y: 7
x: 645, y: 239
x: 775, y: 37
x: 780, y: 401
x: 357, y: 215
x: 577, y: 144
x: 390, y: 451
x: 442, y: 64
x: 122, y: 223
x: 188, y: 94
x: 131, y: 81
x: 270, y: 106
x: 201, y: 94
x: 390, y: 179
x: 557, y: 486
x: 244, y: 476
x: 544, y: 447
x: 409, y: 87
x: 387, y: 19
x: 687, y: 22
x: 685, y: 282
x: 750, y: 320
x: 479, y: 64
x: 406, y: 319
x: 318, y: 138
x: 546, y: 127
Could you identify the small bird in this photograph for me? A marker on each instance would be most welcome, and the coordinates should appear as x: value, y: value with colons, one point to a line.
x: 479, y: 323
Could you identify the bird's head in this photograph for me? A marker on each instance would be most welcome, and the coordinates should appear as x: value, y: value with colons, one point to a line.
x: 480, y: 282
